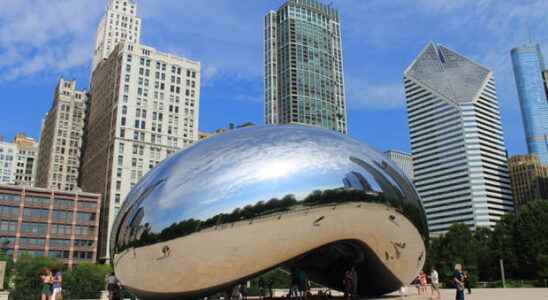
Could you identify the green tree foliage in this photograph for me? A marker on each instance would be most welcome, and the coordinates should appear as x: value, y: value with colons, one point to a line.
x: 26, y: 280
x: 86, y: 280
x: 9, y: 269
x: 520, y: 240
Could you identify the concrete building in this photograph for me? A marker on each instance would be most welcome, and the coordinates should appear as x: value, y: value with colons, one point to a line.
x: 304, y: 81
x: 403, y: 160
x: 61, y: 138
x: 18, y: 161
x: 42, y: 222
x: 144, y: 107
x: 531, y: 83
x: 459, y: 155
x: 529, y: 178
x: 120, y: 23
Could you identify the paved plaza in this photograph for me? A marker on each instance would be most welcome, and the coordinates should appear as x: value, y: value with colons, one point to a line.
x: 482, y: 294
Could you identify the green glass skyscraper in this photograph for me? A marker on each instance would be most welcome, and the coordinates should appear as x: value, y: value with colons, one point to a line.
x: 303, y: 66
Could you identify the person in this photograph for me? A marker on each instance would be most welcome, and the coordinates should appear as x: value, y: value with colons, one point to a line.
x: 262, y: 290
x: 417, y: 283
x: 435, y: 281
x: 294, y: 289
x: 423, y: 282
x: 269, y: 285
x: 301, y: 282
x: 354, y: 282
x: 347, y: 284
x: 47, y: 280
x: 243, y: 290
x: 57, y: 286
x: 113, y: 287
x: 467, y: 284
x: 458, y: 282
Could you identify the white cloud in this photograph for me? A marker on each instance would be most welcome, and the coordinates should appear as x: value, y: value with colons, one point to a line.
x: 44, y: 36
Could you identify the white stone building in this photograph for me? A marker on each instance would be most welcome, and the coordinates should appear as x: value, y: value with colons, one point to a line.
x: 18, y: 161
x: 61, y: 138
x: 120, y: 23
x: 144, y: 107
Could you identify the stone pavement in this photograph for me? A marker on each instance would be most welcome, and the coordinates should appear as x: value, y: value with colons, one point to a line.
x: 481, y: 294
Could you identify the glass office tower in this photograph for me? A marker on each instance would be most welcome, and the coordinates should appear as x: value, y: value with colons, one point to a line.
x: 528, y: 70
x: 303, y: 66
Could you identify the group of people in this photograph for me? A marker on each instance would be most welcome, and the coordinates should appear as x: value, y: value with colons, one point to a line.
x: 421, y: 283
x: 299, y: 285
x: 52, y: 284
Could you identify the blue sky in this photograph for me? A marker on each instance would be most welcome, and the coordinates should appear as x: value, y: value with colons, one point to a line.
x: 41, y: 40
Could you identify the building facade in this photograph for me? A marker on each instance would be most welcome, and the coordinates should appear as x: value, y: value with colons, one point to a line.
x: 304, y: 81
x: 531, y: 83
x: 61, y: 138
x: 42, y: 222
x: 402, y: 160
x: 120, y: 23
x: 202, y: 135
x: 529, y: 178
x: 18, y: 161
x: 459, y: 155
x: 145, y: 106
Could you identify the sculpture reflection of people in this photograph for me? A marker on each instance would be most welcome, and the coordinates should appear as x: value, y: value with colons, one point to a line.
x: 243, y: 290
x: 354, y: 274
x: 262, y: 288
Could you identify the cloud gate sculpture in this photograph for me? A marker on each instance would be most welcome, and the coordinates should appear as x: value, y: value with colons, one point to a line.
x: 239, y: 204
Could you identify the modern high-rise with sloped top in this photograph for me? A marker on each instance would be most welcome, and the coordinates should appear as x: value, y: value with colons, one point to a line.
x: 459, y: 155
x: 304, y: 67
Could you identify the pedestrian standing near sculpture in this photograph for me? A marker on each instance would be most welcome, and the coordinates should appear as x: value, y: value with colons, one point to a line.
x: 347, y: 285
x: 423, y: 281
x: 243, y: 290
x: 47, y: 279
x: 354, y: 274
x: 458, y: 282
x: 435, y: 283
x: 467, y: 283
x: 57, y: 286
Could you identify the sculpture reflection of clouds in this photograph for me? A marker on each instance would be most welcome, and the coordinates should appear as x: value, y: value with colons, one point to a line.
x: 255, y: 172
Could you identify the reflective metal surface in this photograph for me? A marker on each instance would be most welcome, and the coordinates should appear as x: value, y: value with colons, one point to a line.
x: 239, y: 204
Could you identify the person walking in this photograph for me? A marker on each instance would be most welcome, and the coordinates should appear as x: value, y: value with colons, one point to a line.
x: 423, y: 282
x: 269, y: 285
x: 294, y: 289
x: 435, y: 283
x: 262, y: 288
x: 57, y: 285
x: 458, y: 282
x: 467, y: 283
x: 47, y: 280
x: 243, y: 290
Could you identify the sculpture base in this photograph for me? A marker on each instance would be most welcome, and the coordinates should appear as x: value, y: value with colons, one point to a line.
x: 4, y: 295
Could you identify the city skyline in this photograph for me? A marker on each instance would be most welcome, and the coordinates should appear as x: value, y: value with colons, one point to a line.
x: 232, y: 91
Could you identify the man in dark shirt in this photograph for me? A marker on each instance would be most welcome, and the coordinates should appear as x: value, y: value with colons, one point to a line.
x: 458, y: 282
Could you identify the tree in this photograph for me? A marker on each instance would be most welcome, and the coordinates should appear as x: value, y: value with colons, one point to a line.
x: 26, y: 280
x: 86, y: 280
x: 531, y: 238
x: 9, y: 269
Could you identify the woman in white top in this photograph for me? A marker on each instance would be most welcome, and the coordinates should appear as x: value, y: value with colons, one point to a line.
x: 435, y: 283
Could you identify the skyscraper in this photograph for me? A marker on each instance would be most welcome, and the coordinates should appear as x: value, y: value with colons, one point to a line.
x: 61, y: 138
x: 531, y: 85
x: 459, y: 156
x: 120, y: 23
x: 304, y: 66
x: 144, y: 107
